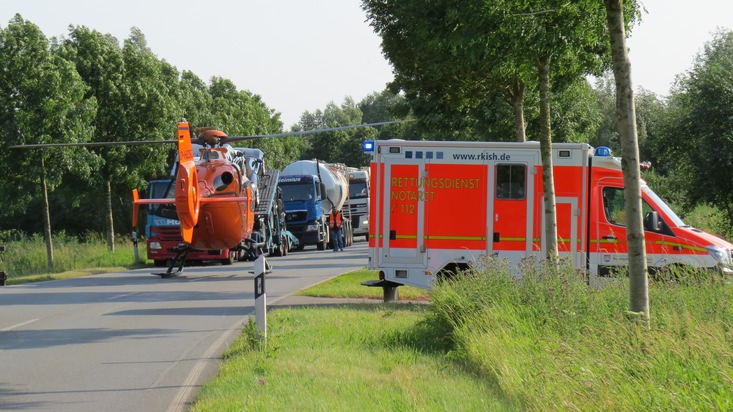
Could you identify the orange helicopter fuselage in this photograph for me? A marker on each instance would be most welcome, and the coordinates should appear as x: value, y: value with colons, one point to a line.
x: 222, y: 222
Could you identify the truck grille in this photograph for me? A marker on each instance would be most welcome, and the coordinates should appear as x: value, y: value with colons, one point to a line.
x: 296, y: 216
x: 167, y: 232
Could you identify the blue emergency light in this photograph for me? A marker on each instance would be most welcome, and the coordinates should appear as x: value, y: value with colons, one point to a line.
x: 368, y: 146
x: 602, y: 151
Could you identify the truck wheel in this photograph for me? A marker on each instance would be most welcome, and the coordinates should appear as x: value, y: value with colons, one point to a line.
x: 232, y: 257
x: 323, y: 245
x: 277, y: 250
x: 159, y: 263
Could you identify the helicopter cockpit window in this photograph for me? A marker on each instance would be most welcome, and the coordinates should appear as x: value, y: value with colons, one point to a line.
x: 211, y: 155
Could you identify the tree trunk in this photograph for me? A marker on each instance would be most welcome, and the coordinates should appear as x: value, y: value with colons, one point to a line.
x: 626, y: 115
x: 110, y: 220
x: 517, y: 101
x: 46, y: 218
x: 550, y: 233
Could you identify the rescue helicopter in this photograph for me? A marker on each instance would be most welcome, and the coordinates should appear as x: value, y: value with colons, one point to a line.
x: 213, y: 194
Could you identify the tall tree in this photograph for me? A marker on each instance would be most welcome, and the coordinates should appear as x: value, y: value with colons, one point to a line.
x: 241, y: 112
x: 455, y: 76
x: 625, y: 111
x: 449, y: 52
x: 42, y: 101
x: 387, y: 105
x: 147, y: 111
x: 340, y: 146
x: 98, y: 59
x: 701, y: 125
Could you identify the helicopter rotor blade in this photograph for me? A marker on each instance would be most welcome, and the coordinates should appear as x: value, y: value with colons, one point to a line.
x: 307, y: 132
x: 196, y: 140
x: 91, y: 144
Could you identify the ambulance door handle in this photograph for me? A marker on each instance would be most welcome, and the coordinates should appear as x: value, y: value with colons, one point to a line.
x: 609, y: 237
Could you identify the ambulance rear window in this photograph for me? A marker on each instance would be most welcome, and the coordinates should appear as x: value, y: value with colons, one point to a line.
x: 511, y: 182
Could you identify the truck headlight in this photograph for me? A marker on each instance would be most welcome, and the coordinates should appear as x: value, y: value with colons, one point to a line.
x: 720, y: 255
x: 312, y: 227
x: 155, y: 246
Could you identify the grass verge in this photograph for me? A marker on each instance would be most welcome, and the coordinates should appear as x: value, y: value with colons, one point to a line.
x: 349, y: 286
x: 488, y: 341
x: 355, y: 358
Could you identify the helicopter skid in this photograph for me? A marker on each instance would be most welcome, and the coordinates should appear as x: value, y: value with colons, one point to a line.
x: 166, y: 275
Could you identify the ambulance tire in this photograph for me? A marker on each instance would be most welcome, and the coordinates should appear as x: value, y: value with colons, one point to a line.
x: 451, y: 270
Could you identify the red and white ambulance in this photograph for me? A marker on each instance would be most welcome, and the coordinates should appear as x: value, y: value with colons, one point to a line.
x: 437, y: 206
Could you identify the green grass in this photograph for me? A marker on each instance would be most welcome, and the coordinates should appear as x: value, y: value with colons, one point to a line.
x: 356, y: 358
x: 551, y: 343
x: 349, y: 286
x: 25, y: 258
x: 488, y: 341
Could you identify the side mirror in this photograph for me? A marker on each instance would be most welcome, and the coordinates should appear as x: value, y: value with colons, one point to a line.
x: 652, y: 222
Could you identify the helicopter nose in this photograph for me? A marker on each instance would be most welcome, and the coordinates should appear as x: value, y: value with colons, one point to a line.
x: 223, y: 181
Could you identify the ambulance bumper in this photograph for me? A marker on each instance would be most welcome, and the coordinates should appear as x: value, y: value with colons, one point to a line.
x: 723, y: 258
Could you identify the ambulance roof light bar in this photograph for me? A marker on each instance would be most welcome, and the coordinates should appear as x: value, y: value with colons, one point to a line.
x: 602, y: 151
x: 368, y: 146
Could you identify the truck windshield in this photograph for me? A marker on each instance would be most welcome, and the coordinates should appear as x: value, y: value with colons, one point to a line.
x: 161, y: 189
x: 358, y: 189
x: 297, y: 192
x: 659, y: 202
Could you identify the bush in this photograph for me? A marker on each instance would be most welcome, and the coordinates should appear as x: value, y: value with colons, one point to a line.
x: 552, y: 343
x: 710, y: 219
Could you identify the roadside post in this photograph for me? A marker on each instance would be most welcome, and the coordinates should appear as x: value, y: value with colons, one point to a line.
x: 260, y: 297
x: 134, y: 247
x: 3, y: 275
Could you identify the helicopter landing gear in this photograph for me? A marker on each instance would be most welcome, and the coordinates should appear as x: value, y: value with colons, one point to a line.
x: 178, y: 260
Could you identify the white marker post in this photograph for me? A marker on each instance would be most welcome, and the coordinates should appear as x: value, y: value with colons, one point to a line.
x: 260, y: 297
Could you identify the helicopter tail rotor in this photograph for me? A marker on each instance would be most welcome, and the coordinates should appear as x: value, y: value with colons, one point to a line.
x: 188, y: 200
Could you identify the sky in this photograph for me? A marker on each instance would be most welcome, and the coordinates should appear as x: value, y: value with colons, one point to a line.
x: 300, y: 55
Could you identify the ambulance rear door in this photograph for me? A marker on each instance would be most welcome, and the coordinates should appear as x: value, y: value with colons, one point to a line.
x: 512, y: 203
x: 403, y: 208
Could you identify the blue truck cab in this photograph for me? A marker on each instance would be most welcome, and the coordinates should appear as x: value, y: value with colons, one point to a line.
x: 303, y: 200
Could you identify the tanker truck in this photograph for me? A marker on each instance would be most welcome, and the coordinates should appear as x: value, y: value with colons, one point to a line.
x: 311, y: 189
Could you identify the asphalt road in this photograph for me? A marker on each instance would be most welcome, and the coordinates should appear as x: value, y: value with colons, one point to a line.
x: 132, y: 341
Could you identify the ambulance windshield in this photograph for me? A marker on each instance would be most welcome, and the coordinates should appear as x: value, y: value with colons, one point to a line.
x: 666, y: 209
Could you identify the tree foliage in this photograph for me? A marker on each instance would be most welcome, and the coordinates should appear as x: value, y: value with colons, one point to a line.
x: 87, y: 87
x: 699, y: 126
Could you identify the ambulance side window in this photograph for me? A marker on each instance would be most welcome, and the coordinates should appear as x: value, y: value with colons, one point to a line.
x: 511, y: 182
x: 613, y: 205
